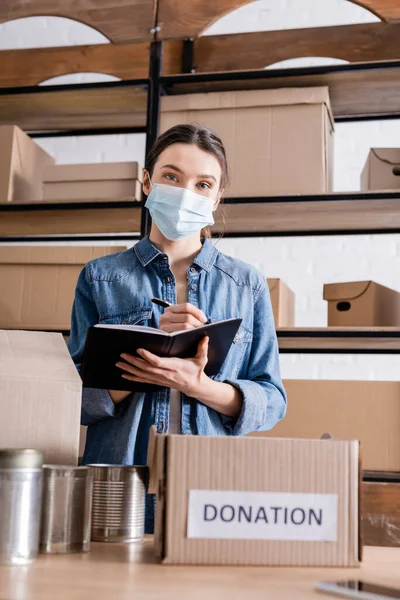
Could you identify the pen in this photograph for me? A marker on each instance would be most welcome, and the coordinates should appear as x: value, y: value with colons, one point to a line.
x: 166, y: 304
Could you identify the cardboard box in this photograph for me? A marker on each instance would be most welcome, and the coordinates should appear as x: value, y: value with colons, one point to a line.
x: 22, y: 163
x: 277, y: 141
x: 244, y: 501
x: 362, y: 304
x: 38, y: 284
x: 382, y: 170
x: 283, y: 303
x: 40, y: 395
x: 368, y: 411
x: 102, y: 181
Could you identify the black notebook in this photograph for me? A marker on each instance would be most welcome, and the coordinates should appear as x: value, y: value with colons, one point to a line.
x: 105, y: 343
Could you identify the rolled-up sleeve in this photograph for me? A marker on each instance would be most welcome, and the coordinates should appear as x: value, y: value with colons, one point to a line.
x: 264, y: 397
x: 96, y: 404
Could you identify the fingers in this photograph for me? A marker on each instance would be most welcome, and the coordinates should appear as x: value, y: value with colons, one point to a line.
x: 202, y: 350
x: 185, y: 318
x: 188, y: 308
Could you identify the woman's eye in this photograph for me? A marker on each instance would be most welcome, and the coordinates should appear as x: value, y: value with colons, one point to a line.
x: 203, y: 185
x: 170, y: 177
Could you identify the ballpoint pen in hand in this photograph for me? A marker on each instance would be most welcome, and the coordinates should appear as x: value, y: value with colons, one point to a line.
x: 166, y: 304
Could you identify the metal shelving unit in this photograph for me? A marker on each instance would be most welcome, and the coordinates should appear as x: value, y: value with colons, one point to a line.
x: 328, y: 214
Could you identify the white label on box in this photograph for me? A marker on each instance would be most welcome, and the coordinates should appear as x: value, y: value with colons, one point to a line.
x: 236, y: 515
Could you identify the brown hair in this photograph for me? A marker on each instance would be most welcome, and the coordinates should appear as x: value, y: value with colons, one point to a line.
x: 202, y: 137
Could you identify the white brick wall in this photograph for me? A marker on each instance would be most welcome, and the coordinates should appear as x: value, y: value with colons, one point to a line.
x: 304, y: 263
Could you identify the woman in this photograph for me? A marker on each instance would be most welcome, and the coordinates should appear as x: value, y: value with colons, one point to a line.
x: 184, y: 179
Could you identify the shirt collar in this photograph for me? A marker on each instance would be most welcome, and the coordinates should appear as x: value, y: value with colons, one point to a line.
x: 146, y: 253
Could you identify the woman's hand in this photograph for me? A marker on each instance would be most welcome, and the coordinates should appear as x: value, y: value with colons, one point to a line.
x: 183, y: 374
x: 180, y: 317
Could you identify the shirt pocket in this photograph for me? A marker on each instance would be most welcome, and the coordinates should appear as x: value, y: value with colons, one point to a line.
x: 136, y: 316
x: 238, y: 356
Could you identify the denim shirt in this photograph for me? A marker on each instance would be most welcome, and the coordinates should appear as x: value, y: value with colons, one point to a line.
x: 117, y: 289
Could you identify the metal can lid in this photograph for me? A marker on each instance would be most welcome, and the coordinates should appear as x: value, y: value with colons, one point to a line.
x: 65, y: 471
x: 20, y: 458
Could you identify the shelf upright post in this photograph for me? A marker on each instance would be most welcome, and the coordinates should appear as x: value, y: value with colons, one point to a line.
x: 153, y: 114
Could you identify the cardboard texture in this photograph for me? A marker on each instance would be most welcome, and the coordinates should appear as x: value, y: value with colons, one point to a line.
x: 382, y: 170
x: 180, y: 465
x: 38, y: 284
x: 368, y: 411
x: 283, y: 303
x: 362, y: 304
x: 102, y: 181
x: 40, y: 395
x: 22, y: 163
x: 277, y: 141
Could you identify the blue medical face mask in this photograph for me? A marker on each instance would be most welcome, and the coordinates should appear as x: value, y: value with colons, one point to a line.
x: 178, y: 212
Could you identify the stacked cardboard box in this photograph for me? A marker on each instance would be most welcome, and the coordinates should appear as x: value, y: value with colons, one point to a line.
x: 22, y: 164
x: 362, y: 304
x: 382, y: 170
x: 38, y: 284
x: 277, y: 141
x: 368, y: 411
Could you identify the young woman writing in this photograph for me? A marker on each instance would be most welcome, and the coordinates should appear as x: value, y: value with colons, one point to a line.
x: 184, y: 179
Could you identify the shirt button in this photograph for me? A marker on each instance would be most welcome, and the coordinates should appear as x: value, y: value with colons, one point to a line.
x: 193, y: 287
x: 169, y: 279
x: 192, y: 270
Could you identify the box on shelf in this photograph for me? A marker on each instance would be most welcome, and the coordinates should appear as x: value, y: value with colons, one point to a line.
x: 283, y: 303
x: 277, y: 141
x: 38, y: 284
x: 362, y: 304
x: 368, y: 411
x: 382, y: 170
x: 245, y: 501
x: 40, y: 395
x: 101, y: 181
x: 22, y: 163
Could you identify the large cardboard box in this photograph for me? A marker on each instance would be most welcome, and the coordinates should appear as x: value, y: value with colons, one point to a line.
x: 244, y: 501
x: 40, y: 395
x: 368, y: 411
x: 38, y: 284
x: 277, y: 141
x: 22, y: 163
x: 362, y: 304
x: 102, y: 181
x: 283, y: 303
x: 382, y: 170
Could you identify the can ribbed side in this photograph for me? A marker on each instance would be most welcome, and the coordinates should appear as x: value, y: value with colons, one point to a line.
x: 118, y: 508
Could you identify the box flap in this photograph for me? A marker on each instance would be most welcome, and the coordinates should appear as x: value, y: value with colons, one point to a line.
x: 93, y: 172
x: 55, y: 255
x: 31, y: 355
x: 390, y: 156
x: 152, y: 460
x: 345, y: 291
x: 272, y: 283
x: 35, y: 355
x: 247, y: 98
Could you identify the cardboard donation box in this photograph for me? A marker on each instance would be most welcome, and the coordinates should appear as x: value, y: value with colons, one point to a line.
x: 22, y: 163
x: 368, y: 411
x: 283, y: 303
x: 102, y: 181
x: 362, y: 304
x: 40, y: 395
x: 277, y: 141
x: 38, y: 284
x: 382, y: 170
x: 246, y: 501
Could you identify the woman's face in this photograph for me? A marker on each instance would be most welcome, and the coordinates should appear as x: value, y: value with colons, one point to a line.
x: 187, y: 166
